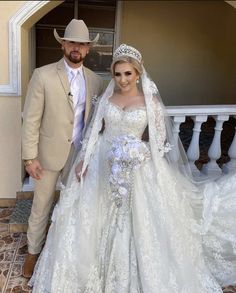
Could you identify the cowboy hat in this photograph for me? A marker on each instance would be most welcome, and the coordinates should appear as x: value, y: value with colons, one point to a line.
x: 76, y: 31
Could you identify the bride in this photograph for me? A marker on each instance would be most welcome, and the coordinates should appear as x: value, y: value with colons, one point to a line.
x: 131, y: 219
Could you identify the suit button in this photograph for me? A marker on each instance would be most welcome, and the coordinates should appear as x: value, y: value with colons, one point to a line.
x: 71, y: 122
x: 69, y: 140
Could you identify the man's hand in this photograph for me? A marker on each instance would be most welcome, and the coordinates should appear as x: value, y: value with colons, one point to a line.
x: 78, y: 170
x: 35, y: 170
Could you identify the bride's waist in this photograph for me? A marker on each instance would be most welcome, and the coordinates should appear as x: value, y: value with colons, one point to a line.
x: 110, y: 136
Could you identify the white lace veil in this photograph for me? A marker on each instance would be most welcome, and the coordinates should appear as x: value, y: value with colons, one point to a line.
x: 163, y: 141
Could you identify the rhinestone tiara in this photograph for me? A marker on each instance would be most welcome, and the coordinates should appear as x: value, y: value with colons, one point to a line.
x: 125, y: 50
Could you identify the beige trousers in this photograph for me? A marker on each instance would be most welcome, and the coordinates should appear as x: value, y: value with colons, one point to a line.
x: 42, y: 203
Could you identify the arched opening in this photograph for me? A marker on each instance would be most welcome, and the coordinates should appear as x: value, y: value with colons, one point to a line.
x: 39, y: 47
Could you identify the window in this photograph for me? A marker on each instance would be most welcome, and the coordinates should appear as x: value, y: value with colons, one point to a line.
x: 98, y: 15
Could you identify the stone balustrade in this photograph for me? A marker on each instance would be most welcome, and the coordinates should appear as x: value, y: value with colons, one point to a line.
x: 212, y: 145
x: 199, y: 115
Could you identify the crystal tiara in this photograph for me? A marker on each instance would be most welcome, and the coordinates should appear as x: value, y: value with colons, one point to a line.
x: 125, y: 50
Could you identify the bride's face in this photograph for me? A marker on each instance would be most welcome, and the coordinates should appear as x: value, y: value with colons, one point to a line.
x: 126, y: 77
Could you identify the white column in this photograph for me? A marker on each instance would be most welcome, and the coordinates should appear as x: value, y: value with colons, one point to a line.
x: 177, y: 121
x: 193, y: 152
x: 231, y: 165
x: 214, y: 152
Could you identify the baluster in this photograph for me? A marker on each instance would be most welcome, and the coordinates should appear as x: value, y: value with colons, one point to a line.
x: 214, y: 152
x: 193, y: 151
x: 231, y: 165
x: 177, y: 121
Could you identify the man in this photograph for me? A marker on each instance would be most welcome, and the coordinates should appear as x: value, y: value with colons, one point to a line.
x: 57, y: 106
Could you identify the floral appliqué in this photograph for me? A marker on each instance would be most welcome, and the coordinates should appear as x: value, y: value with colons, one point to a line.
x: 126, y: 154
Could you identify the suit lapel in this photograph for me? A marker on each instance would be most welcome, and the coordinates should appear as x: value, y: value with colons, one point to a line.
x: 61, y: 70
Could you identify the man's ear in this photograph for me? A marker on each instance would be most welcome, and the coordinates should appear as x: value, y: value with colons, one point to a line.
x: 88, y: 47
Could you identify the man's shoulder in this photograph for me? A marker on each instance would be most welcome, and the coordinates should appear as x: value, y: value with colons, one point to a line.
x: 91, y: 73
x: 48, y: 67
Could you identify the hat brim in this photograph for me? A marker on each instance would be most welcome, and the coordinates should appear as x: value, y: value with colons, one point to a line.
x: 79, y: 40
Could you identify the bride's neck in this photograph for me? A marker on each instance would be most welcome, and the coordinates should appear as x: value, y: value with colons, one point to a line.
x: 132, y: 93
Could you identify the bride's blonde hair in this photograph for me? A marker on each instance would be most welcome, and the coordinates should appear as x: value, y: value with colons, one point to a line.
x: 126, y: 59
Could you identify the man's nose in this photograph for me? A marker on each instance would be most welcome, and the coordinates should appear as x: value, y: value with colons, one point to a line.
x: 76, y: 46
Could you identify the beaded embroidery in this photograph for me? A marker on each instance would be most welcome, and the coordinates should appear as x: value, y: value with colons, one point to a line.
x: 126, y: 154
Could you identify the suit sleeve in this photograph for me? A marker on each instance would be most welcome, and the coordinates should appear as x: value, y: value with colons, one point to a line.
x: 32, y: 116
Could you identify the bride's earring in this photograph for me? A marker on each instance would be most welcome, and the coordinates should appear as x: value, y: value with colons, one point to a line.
x: 137, y: 81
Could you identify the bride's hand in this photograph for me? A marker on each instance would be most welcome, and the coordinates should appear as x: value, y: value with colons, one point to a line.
x: 78, y: 170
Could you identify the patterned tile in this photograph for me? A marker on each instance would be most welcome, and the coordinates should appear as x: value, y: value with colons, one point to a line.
x: 9, y: 241
x: 5, y: 214
x: 16, y: 282
x: 21, y: 211
x: 230, y: 289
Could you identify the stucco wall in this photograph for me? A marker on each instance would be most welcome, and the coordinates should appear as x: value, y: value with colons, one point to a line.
x: 10, y: 113
x: 11, y: 107
x: 7, y: 10
x: 188, y: 48
x: 10, y: 154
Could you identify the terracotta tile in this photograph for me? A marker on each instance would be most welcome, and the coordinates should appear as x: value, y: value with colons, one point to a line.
x: 230, y: 289
x: 16, y: 270
x: 9, y: 241
x: 5, y: 213
x: 4, y: 273
x: 2, y: 282
x: 2, y: 256
x: 4, y: 228
x: 9, y: 255
x: 17, y: 281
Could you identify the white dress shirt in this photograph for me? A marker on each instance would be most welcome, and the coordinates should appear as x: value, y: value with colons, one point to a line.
x: 78, y: 92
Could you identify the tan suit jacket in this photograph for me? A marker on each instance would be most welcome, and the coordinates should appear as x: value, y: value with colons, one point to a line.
x: 49, y: 116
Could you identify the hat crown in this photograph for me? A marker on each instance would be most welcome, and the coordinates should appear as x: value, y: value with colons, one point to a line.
x: 77, y: 28
x: 76, y: 31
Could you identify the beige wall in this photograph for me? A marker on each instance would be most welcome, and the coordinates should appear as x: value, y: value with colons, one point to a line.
x: 10, y: 107
x: 10, y: 113
x: 7, y: 10
x: 10, y: 150
x: 188, y: 48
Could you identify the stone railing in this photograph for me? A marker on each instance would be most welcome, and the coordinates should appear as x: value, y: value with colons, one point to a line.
x: 200, y: 115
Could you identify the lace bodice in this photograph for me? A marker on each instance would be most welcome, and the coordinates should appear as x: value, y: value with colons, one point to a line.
x: 132, y: 121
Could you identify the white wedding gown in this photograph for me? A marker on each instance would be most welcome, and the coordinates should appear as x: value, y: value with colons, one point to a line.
x: 151, y: 246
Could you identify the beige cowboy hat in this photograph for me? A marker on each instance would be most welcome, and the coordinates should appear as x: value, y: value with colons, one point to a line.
x: 76, y: 31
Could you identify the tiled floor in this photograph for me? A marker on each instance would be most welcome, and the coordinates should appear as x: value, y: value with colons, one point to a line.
x: 12, y: 253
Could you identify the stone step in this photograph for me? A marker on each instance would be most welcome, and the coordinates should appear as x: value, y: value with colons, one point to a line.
x: 18, y: 221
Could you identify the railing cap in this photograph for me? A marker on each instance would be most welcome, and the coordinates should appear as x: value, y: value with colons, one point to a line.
x: 192, y: 110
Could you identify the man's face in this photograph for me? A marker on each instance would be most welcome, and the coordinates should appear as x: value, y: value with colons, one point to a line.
x: 75, y: 52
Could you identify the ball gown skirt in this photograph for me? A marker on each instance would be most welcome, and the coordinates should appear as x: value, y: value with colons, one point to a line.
x: 148, y: 244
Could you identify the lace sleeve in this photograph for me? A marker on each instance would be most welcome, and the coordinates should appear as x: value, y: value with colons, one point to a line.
x: 162, y: 144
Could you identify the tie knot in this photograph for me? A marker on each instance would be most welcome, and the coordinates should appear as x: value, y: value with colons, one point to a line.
x: 74, y: 73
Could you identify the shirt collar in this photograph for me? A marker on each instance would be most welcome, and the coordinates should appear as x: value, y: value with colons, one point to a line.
x: 75, y: 70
